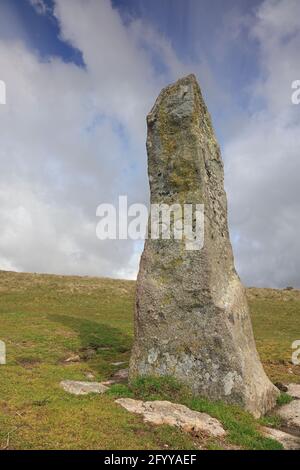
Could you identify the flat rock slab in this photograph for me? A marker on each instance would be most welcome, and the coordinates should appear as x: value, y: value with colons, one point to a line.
x: 165, y: 412
x: 82, y: 388
x: 290, y: 414
x: 294, y: 390
x: 289, y: 441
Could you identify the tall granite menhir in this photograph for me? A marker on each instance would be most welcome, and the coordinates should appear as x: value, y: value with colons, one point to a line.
x: 192, y: 320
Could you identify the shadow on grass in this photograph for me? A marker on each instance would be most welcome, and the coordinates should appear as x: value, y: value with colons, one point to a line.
x: 99, y: 337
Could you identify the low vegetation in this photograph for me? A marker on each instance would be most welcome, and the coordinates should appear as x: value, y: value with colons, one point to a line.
x: 46, y: 320
x: 242, y: 429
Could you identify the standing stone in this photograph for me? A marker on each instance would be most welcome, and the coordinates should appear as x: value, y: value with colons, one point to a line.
x: 192, y: 320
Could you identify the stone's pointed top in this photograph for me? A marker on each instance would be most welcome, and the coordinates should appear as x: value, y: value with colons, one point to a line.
x: 187, y: 80
x: 191, y: 78
x: 183, y: 96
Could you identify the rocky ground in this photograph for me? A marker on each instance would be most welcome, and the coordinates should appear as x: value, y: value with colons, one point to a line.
x: 162, y: 412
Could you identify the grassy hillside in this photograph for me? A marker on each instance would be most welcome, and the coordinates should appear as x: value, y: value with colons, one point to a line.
x: 46, y: 319
x: 276, y: 323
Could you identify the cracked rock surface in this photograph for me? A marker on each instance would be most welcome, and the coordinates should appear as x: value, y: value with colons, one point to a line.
x: 165, y: 412
x: 294, y: 390
x: 289, y: 441
x: 290, y: 415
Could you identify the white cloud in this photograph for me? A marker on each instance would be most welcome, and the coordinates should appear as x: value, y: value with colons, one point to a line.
x: 262, y: 160
x: 72, y: 138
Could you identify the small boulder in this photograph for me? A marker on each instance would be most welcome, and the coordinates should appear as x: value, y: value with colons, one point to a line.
x: 82, y: 388
x: 172, y: 414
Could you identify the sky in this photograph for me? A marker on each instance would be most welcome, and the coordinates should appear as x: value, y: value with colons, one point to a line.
x: 80, y: 77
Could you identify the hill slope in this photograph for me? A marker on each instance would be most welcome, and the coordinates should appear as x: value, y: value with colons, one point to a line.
x: 47, y: 319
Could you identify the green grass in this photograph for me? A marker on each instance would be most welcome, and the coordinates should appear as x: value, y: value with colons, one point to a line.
x: 46, y: 319
x: 276, y: 323
x: 242, y: 429
x: 284, y: 399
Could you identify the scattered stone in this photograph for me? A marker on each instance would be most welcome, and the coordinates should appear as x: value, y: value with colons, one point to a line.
x: 108, y: 382
x: 122, y: 374
x: 281, y: 387
x: 82, y: 388
x: 75, y: 358
x: 294, y: 390
x: 290, y: 415
x: 88, y: 354
x: 165, y: 412
x: 289, y: 441
x: 118, y: 363
x: 192, y: 320
x: 89, y: 375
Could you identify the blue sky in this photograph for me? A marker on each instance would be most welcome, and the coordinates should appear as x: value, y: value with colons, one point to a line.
x: 196, y: 30
x: 81, y: 77
x: 39, y: 32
